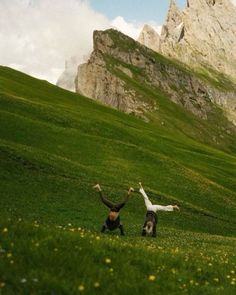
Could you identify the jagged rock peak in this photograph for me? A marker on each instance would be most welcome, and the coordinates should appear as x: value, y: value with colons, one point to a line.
x: 173, y: 20
x: 96, y: 80
x: 107, y: 41
x: 174, y: 13
x: 149, y: 37
x: 102, y: 39
x: 202, y: 34
x: 173, y: 7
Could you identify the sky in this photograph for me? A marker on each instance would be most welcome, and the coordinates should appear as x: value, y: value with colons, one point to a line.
x: 135, y: 10
x: 38, y: 36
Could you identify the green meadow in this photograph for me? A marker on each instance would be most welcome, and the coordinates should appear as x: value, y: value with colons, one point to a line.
x: 55, y: 145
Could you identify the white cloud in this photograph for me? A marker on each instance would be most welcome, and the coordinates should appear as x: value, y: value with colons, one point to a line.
x: 37, y: 36
x: 131, y: 29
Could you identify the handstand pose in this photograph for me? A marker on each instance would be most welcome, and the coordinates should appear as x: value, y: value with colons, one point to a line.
x: 113, y: 220
x: 151, y: 216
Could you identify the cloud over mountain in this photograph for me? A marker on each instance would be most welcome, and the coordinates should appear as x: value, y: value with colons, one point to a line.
x: 37, y: 36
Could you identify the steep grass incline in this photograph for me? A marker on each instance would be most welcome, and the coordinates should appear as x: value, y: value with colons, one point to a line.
x: 56, y: 144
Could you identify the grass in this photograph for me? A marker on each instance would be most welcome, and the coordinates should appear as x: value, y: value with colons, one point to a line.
x: 69, y: 260
x: 55, y: 145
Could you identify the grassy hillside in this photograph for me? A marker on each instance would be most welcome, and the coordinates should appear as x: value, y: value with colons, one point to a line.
x: 55, y: 145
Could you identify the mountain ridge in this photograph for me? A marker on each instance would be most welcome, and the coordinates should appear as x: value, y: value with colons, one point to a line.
x: 191, y: 89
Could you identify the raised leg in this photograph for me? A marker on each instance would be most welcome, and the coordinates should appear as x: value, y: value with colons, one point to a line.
x: 108, y: 203
x: 148, y: 203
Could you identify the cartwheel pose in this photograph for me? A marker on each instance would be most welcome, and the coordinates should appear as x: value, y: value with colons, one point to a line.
x: 150, y: 223
x: 113, y: 220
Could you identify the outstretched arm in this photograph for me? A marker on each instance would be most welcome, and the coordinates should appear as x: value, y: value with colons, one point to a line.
x: 108, y: 203
x: 121, y: 205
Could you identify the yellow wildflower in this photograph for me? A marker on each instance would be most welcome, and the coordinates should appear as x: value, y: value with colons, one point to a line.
x: 151, y: 278
x: 108, y: 260
x: 81, y: 288
x: 5, y: 230
x: 96, y: 285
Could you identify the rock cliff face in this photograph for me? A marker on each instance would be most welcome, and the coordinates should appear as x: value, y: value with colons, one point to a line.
x: 96, y: 79
x: 150, y: 38
x: 117, y: 58
x: 204, y: 33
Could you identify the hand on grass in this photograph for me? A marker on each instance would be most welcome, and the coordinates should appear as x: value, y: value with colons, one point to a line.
x: 131, y: 190
x: 176, y: 207
x: 97, y: 188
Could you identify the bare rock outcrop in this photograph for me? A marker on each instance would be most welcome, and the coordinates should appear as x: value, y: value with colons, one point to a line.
x: 150, y: 38
x: 95, y: 80
x: 115, y: 53
x: 204, y: 33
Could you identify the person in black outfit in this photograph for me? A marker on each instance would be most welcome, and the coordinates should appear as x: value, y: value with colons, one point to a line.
x: 113, y: 220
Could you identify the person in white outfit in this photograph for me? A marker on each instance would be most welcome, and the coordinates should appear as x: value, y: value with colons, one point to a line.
x: 150, y: 223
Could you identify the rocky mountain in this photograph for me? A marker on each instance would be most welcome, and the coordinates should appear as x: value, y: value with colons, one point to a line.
x: 201, y: 37
x: 118, y: 59
x: 97, y: 80
x: 203, y: 34
x: 150, y: 38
